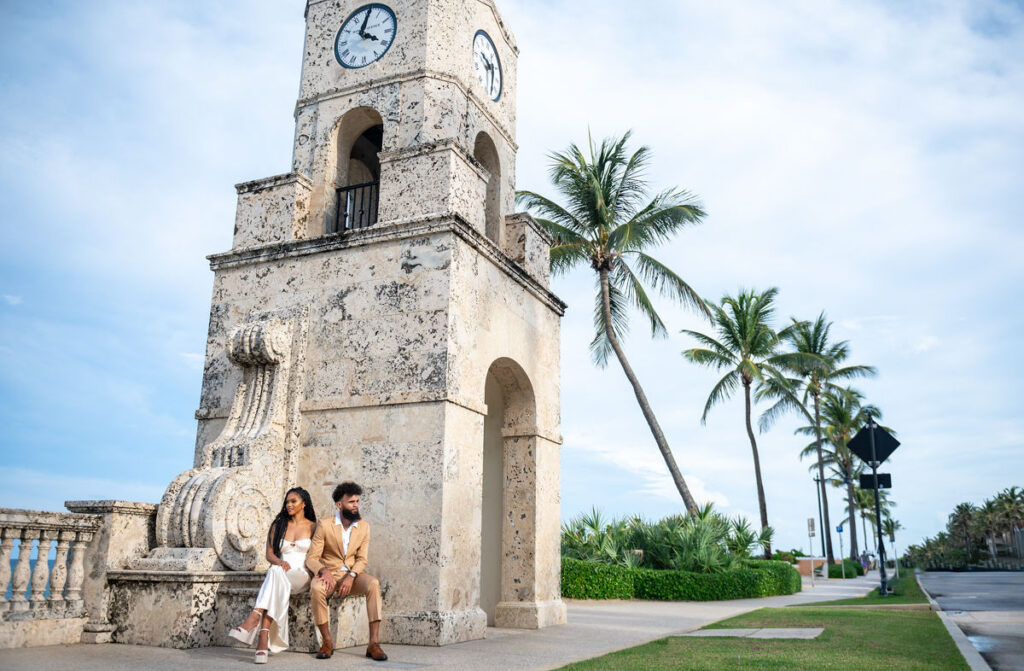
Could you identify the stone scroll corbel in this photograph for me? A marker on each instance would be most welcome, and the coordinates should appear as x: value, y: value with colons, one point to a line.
x: 216, y: 515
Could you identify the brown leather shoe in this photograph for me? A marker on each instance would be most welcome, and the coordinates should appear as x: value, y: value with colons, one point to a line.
x: 374, y: 652
x: 326, y: 650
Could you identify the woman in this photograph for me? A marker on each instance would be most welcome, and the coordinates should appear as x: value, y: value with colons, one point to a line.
x: 287, y: 543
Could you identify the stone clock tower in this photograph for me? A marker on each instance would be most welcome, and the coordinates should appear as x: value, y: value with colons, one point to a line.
x: 384, y: 317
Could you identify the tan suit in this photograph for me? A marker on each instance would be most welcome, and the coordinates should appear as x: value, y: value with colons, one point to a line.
x: 327, y: 551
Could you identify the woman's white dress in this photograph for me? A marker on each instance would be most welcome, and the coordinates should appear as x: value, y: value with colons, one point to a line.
x: 278, y: 588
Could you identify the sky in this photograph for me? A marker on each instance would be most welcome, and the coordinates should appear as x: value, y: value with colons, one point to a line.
x: 867, y: 159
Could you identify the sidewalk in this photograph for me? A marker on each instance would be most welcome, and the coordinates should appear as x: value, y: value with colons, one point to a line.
x: 595, y: 628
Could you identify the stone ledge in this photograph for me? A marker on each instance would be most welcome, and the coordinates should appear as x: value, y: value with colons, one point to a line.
x: 386, y: 232
x: 48, y: 520
x: 274, y: 181
x: 111, y: 506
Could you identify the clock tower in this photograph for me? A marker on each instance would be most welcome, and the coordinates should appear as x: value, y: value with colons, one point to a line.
x: 385, y: 317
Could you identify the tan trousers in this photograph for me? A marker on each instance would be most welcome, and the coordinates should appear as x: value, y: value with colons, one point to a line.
x: 364, y: 585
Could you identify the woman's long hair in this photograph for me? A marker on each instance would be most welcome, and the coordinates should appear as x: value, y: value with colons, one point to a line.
x: 280, y: 523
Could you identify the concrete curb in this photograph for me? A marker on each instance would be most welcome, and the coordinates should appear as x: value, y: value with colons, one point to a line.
x: 963, y: 644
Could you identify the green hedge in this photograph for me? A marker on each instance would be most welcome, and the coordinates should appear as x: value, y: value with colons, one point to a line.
x: 853, y: 569
x: 592, y: 580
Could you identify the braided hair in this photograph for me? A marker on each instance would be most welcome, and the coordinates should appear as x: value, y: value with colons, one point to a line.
x: 280, y: 523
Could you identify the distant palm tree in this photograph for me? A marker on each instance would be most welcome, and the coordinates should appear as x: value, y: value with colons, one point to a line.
x: 989, y: 522
x: 960, y: 521
x: 839, y: 414
x: 889, y: 527
x: 747, y: 348
x: 821, y: 369
x: 608, y: 221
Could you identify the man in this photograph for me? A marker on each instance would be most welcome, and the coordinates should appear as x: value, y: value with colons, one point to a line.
x: 337, y: 557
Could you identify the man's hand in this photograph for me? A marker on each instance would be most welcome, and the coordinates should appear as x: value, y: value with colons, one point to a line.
x: 327, y: 579
x: 345, y: 585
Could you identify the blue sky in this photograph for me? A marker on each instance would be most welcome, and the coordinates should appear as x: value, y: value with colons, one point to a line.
x: 865, y: 158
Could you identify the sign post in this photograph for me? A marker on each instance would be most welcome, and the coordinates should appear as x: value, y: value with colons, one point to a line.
x: 810, y: 546
x: 873, y: 444
x: 842, y: 558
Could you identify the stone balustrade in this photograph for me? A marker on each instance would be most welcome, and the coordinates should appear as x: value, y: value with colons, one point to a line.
x: 37, y: 591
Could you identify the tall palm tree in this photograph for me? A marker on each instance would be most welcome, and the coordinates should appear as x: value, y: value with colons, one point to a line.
x: 608, y: 220
x: 747, y: 348
x: 819, y: 372
x: 839, y: 414
x: 960, y: 521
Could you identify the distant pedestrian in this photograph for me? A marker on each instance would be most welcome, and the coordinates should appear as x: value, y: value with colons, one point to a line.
x: 864, y: 561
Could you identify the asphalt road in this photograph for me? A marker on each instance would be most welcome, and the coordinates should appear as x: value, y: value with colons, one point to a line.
x: 989, y: 608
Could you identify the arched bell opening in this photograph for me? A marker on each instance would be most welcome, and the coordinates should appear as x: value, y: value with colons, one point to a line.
x: 486, y: 154
x: 355, y: 173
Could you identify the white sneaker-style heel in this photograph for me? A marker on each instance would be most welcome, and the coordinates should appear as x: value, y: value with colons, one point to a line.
x: 263, y: 656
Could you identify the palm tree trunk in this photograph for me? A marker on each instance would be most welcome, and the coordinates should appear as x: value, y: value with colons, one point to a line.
x: 757, y: 469
x: 641, y: 398
x: 821, y: 478
x: 853, y: 517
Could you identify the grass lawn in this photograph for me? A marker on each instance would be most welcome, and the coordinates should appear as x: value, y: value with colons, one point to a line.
x: 906, y: 591
x: 853, y: 639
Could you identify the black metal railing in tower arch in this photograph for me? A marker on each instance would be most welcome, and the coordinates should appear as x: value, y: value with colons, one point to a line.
x: 356, y: 206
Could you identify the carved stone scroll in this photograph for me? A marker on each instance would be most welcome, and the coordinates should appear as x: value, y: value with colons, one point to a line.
x: 227, y: 502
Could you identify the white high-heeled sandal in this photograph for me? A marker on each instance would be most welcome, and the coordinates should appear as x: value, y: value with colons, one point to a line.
x: 245, y: 636
x: 263, y: 656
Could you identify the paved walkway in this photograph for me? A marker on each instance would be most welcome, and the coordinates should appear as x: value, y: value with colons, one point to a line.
x: 594, y: 628
x: 988, y: 606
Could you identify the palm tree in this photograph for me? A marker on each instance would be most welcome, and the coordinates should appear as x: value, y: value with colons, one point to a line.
x: 608, y: 221
x: 1011, y: 507
x: 821, y: 368
x: 961, y: 520
x: 889, y: 527
x: 748, y: 349
x: 839, y: 413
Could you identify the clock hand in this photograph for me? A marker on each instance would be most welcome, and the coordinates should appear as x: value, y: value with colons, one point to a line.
x: 366, y: 19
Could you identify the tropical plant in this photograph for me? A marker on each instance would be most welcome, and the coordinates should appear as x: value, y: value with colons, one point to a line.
x: 608, y: 221
x: 960, y: 521
x: 708, y: 542
x: 839, y: 414
x: 747, y: 348
x: 820, y: 370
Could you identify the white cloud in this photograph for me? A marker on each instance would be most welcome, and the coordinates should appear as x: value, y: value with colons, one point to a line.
x: 12, y: 300
x: 193, y: 360
x: 925, y: 344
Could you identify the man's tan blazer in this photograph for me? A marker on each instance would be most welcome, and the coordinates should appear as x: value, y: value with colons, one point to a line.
x: 327, y: 548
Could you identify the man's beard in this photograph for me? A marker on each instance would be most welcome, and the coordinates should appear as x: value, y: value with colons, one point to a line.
x: 349, y: 515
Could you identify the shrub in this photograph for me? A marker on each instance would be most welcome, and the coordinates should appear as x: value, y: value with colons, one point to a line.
x: 593, y: 580
x: 756, y: 578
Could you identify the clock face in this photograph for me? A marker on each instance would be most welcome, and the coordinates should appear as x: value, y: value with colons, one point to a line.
x: 487, y: 65
x: 366, y: 35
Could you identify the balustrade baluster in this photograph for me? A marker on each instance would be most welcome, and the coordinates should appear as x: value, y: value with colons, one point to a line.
x: 76, y: 574
x: 59, y: 574
x: 6, y: 546
x: 22, y: 572
x: 41, y: 571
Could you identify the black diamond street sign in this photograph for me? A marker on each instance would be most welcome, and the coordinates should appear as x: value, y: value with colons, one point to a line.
x: 885, y: 444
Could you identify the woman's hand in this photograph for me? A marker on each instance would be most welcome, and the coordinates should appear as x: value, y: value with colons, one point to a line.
x: 285, y: 565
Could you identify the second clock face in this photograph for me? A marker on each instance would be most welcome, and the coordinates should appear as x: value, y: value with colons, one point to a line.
x: 487, y: 64
x: 365, y: 36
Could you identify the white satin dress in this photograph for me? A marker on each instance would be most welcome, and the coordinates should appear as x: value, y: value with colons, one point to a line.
x: 278, y: 588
